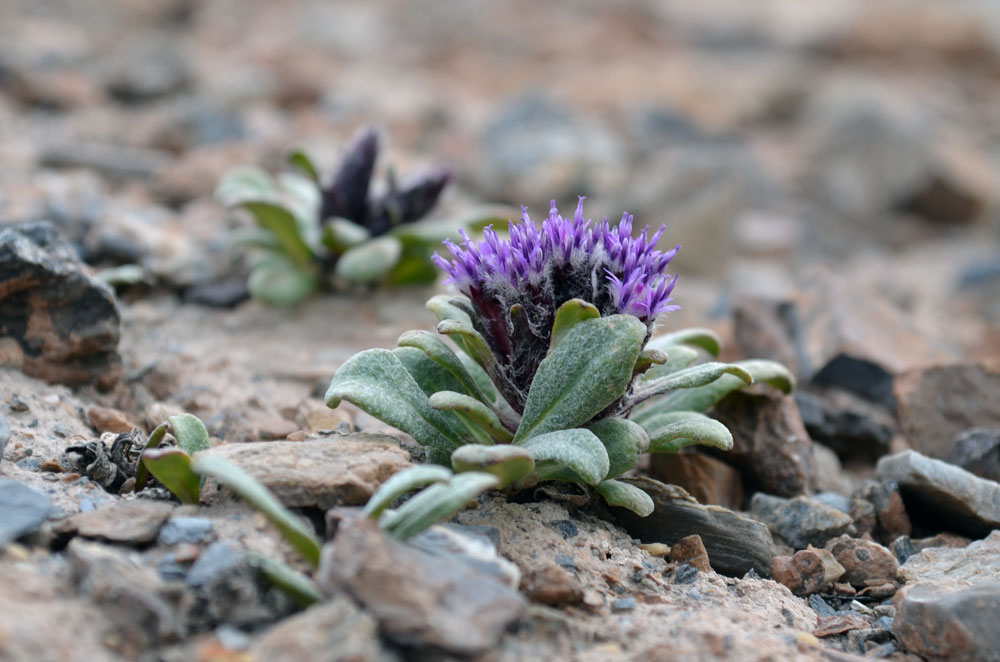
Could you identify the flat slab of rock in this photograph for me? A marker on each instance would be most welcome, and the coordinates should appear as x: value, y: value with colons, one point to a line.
x: 130, y: 522
x: 707, y: 479
x: 801, y: 521
x: 322, y: 473
x: 735, y: 544
x: 937, y: 404
x: 942, y: 493
x: 332, y: 631
x: 953, y: 624
x: 419, y: 599
x: 22, y: 510
x: 64, y: 323
x: 978, y: 563
x: 976, y: 450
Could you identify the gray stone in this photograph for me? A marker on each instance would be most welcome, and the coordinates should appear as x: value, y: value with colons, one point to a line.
x: 976, y: 450
x: 22, y: 510
x: 217, y: 558
x: 940, y: 494
x: 949, y: 623
x: 324, y: 473
x: 845, y: 422
x: 29, y: 463
x: 332, y: 631
x: 838, y: 501
x: 801, y: 521
x: 64, y: 322
x: 735, y: 544
x: 186, y: 529
x: 129, y: 522
x: 419, y: 599
x: 128, y: 592
x: 939, y: 403
x: 979, y: 563
x: 476, y: 551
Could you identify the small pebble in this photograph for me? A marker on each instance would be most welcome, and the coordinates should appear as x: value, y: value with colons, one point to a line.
x: 685, y: 574
x: 821, y: 606
x: 623, y: 604
x: 4, y: 434
x: 885, y: 622
x: 29, y: 463
x: 86, y: 505
x: 567, y: 528
x: 566, y: 561
x: 860, y: 608
x: 17, y: 404
x: 61, y: 430
x: 232, y: 638
x: 185, y: 529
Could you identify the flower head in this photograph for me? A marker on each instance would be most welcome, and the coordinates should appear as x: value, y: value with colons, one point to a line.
x: 517, y: 284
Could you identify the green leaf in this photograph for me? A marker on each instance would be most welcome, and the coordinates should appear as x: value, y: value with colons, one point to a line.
x: 255, y: 237
x: 647, y: 359
x: 283, y: 224
x: 298, y: 533
x: 376, y: 382
x: 508, y: 463
x: 436, y: 348
x: 479, y: 413
x: 172, y: 467
x: 483, y: 381
x: 299, y: 588
x: 669, y: 435
x: 569, y: 315
x: 414, y: 267
x: 278, y: 281
x: 587, y: 371
x: 189, y: 432
x: 626, y: 495
x: 245, y: 183
x: 450, y: 308
x: 624, y: 441
x: 437, y: 503
x: 698, y: 375
x: 429, y: 375
x: 405, y: 481
x: 471, y: 341
x: 707, y: 339
x: 340, y: 234
x: 369, y: 261
x: 141, y: 472
x: 578, y: 450
x: 301, y: 160
x: 704, y: 397
x: 678, y: 358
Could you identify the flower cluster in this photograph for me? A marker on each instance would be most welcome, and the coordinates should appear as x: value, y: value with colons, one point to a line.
x: 516, y: 284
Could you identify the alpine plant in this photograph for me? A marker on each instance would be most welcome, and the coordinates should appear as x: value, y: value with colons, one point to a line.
x: 554, y: 374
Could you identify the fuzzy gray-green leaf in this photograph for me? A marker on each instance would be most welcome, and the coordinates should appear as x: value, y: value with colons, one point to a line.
x: 624, y: 441
x: 578, y: 450
x: 189, y: 432
x: 376, y: 381
x: 707, y: 339
x: 474, y: 409
x: 154, y: 441
x: 437, y: 503
x: 587, y: 371
x: 442, y: 354
x: 704, y: 397
x: 692, y: 377
x: 508, y: 463
x: 278, y: 281
x: 405, y: 481
x: 283, y: 224
x: 172, y: 467
x: 569, y: 315
x: 694, y: 429
x: 300, y: 588
x: 474, y: 343
x: 369, y: 261
x: 296, y: 532
x: 626, y: 495
x: 340, y: 234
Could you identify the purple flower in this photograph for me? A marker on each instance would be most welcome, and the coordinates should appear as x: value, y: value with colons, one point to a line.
x: 517, y: 284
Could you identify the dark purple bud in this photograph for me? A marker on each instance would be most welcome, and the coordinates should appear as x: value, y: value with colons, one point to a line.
x: 347, y: 194
x: 410, y: 202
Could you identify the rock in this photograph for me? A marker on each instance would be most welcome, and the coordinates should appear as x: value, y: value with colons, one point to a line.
x: 952, y: 623
x: 324, y: 473
x: 552, y: 585
x: 847, y: 423
x: 768, y: 328
x: 801, y: 521
x: 475, y: 545
x: 691, y: 550
x: 144, y: 71
x: 839, y: 624
x: 332, y: 631
x: 976, y: 450
x: 109, y: 420
x: 119, y: 161
x: 735, y: 544
x: 942, y: 540
x: 227, y: 293
x: 979, y: 563
x: 903, y: 548
x: 941, y: 495
x: 830, y: 477
x: 4, y: 435
x: 865, y: 563
x: 64, y: 323
x: 418, y: 599
x: 186, y: 529
x: 274, y: 428
x: 230, y: 588
x: 891, y: 520
x: 707, y: 479
x: 838, y: 501
x: 808, y: 571
x: 937, y: 404
x: 128, y: 522
x: 22, y: 510
x: 128, y: 592
x: 770, y: 443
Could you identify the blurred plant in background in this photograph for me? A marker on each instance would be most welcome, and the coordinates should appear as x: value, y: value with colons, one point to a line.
x: 310, y: 235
